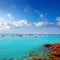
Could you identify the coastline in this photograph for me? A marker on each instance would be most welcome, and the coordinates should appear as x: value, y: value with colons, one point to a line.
x: 52, y: 54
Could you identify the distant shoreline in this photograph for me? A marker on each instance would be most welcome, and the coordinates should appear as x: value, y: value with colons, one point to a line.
x: 29, y: 34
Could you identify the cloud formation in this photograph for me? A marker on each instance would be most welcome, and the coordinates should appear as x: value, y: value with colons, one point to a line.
x: 39, y: 24
x: 4, y: 25
x: 41, y: 15
x: 1, y: 19
x: 25, y: 23
x: 15, y: 24
x: 58, y: 21
x: 9, y: 15
x: 21, y: 23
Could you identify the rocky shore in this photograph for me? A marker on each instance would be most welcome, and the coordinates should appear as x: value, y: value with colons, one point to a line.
x: 54, y: 53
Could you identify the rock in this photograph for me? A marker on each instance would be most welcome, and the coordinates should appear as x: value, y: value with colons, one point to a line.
x: 54, y: 58
x: 55, y: 47
x: 37, y: 58
x: 55, y: 51
x: 47, y: 45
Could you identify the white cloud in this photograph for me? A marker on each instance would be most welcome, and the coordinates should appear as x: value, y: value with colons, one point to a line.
x: 21, y: 23
x: 58, y: 19
x: 39, y: 24
x: 1, y: 19
x: 41, y: 15
x: 58, y: 24
x: 15, y: 24
x: 0, y: 25
x: 51, y: 24
x: 4, y: 25
x: 7, y: 27
x: 9, y: 16
x: 24, y: 23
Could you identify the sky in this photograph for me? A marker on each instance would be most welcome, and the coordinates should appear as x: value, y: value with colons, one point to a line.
x: 30, y: 16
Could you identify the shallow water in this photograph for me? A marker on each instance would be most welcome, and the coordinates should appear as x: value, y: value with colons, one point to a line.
x: 19, y: 46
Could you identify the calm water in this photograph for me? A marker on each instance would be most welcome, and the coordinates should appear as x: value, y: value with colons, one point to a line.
x: 19, y: 46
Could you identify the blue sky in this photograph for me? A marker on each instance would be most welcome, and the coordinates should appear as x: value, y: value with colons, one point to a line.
x: 30, y: 16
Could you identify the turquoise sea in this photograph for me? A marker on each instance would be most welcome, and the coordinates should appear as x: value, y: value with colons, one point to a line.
x: 18, y: 46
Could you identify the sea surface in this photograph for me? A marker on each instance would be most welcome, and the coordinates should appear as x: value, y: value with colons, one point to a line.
x: 18, y: 46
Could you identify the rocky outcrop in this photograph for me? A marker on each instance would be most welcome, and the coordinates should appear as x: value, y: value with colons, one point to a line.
x: 47, y: 45
x: 37, y: 58
x: 55, y: 51
x: 50, y: 52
